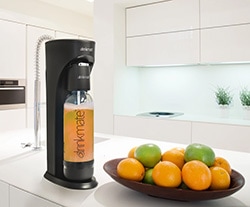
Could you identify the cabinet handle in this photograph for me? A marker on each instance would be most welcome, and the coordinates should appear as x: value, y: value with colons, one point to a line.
x: 12, y: 88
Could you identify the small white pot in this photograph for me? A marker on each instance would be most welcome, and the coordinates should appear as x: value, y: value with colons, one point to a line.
x: 224, y: 111
x: 246, y: 112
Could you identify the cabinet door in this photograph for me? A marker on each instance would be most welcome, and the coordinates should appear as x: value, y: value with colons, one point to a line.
x: 4, y: 192
x: 225, y: 44
x: 229, y: 137
x: 159, y: 129
x: 33, y: 34
x: 224, y: 12
x: 165, y: 49
x: 162, y: 17
x: 12, y: 119
x: 23, y: 199
x: 13, y: 50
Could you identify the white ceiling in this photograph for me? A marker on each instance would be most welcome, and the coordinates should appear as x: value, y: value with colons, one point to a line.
x: 80, y: 6
x: 131, y: 3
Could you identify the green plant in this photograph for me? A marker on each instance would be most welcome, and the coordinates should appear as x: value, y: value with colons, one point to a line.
x: 223, y: 96
x: 245, y: 97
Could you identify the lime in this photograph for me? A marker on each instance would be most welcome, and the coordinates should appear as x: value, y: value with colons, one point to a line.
x: 183, y: 186
x: 148, y: 177
x: 200, y: 152
x: 148, y: 154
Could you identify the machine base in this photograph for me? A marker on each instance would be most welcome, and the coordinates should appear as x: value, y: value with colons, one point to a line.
x: 71, y: 184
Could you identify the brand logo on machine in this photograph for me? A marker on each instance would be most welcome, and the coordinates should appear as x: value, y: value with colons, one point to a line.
x: 80, y: 132
x: 82, y: 77
x: 86, y: 49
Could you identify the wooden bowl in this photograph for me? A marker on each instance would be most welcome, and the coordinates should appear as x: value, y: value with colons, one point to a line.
x: 237, y: 182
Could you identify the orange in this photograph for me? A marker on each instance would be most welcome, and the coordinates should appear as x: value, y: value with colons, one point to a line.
x: 220, y: 178
x: 130, y: 169
x: 166, y: 174
x: 131, y: 152
x: 181, y: 149
x: 222, y: 162
x: 196, y: 175
x: 174, y: 156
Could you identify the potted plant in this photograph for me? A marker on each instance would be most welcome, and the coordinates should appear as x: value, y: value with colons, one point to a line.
x: 245, y: 101
x: 245, y: 97
x: 224, y: 99
x: 223, y: 96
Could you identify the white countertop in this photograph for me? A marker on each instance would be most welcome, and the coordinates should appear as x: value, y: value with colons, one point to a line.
x: 214, y: 120
x: 25, y: 171
x: 199, y: 118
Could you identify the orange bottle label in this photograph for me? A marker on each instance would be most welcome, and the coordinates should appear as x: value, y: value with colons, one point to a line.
x: 78, y: 135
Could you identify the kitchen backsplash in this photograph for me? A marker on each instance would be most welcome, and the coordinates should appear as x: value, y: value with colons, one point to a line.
x: 187, y: 89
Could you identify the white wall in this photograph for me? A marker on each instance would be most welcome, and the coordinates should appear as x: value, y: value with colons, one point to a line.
x: 109, y: 70
x: 50, y: 16
x: 103, y: 69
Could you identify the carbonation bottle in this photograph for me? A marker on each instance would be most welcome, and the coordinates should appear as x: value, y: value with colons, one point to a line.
x: 78, y: 136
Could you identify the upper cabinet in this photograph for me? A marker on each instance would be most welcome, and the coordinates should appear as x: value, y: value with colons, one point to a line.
x: 13, y: 50
x: 224, y: 12
x: 163, y: 33
x: 173, y: 15
x: 229, y: 44
x: 163, y: 49
x: 188, y: 32
x: 225, y: 31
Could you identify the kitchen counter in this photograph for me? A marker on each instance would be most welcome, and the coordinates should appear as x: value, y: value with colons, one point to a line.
x: 25, y: 171
x: 211, y: 119
x: 198, y: 118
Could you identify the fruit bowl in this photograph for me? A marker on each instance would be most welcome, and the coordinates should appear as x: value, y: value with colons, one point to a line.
x: 237, y: 182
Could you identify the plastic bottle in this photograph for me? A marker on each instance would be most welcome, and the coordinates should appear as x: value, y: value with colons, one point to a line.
x: 78, y: 136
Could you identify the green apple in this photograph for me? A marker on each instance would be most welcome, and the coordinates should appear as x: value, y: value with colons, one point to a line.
x: 200, y: 152
x: 148, y: 154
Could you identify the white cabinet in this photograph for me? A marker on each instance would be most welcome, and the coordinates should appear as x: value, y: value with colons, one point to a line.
x: 153, y: 128
x: 217, y: 135
x: 33, y: 34
x: 225, y: 31
x: 4, y: 192
x: 162, y: 17
x: 13, y: 50
x: 182, y: 32
x: 163, y: 49
x: 19, y: 198
x: 163, y: 33
x: 225, y: 44
x: 224, y: 136
x: 12, y: 119
x: 224, y: 12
